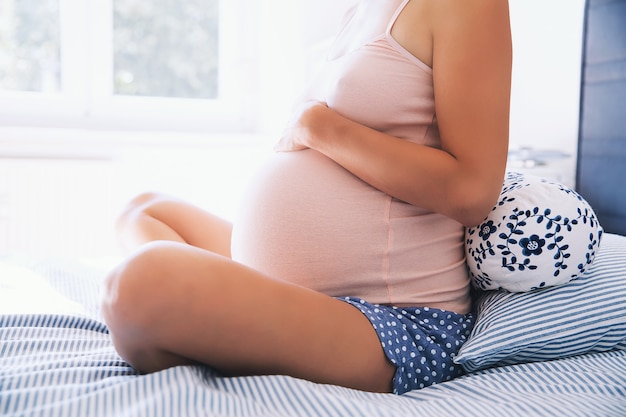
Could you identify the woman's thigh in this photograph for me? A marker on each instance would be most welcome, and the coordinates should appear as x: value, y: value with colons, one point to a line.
x: 176, y: 301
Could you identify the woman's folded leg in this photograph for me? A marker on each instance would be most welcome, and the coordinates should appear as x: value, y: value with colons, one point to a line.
x: 172, y: 304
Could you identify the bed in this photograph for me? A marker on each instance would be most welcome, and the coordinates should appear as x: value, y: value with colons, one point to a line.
x: 56, y: 357
x: 556, y: 351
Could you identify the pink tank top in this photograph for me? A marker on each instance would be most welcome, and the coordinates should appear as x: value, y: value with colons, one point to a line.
x: 307, y: 220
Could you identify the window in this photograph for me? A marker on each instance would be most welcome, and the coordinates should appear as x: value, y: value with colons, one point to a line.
x: 30, y: 45
x: 128, y: 64
x: 168, y: 48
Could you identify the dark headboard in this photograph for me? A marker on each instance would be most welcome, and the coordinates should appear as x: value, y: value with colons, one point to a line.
x: 601, y: 167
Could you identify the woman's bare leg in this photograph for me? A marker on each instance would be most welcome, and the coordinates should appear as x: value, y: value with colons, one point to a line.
x: 173, y: 304
x: 151, y: 216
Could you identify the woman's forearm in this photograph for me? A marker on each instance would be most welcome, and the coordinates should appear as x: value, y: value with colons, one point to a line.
x: 423, y: 176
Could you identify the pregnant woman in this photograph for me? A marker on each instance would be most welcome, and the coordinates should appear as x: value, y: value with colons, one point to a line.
x: 346, y: 264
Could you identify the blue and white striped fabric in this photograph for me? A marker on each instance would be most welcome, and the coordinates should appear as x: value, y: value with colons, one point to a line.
x: 585, y: 315
x: 62, y: 364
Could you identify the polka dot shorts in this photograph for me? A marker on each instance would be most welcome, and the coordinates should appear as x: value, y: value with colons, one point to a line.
x: 420, y: 341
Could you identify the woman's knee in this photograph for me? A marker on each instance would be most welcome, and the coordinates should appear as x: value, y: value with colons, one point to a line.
x: 142, y: 302
x: 140, y: 204
x: 133, y: 296
x: 134, y: 287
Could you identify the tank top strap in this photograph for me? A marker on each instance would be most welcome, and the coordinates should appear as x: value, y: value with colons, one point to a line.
x: 394, y: 44
x: 395, y: 15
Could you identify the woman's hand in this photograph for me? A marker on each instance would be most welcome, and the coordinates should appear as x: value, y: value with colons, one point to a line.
x: 300, y: 129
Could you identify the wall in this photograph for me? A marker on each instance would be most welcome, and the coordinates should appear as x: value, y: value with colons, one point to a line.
x: 59, y: 205
x: 547, y: 40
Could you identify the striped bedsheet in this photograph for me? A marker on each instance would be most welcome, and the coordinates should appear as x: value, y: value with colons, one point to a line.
x: 56, y: 359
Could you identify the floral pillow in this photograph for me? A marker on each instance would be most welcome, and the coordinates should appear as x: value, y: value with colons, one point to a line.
x: 539, y: 234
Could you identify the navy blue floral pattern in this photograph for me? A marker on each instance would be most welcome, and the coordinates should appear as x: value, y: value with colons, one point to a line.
x: 487, y: 229
x: 532, y: 245
x: 539, y: 234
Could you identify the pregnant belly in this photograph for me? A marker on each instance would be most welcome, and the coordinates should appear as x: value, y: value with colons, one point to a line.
x: 307, y: 220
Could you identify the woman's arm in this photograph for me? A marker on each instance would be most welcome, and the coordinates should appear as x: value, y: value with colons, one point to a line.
x: 472, y: 75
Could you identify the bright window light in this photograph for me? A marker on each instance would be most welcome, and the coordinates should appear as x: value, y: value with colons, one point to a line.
x: 129, y: 64
x: 168, y: 48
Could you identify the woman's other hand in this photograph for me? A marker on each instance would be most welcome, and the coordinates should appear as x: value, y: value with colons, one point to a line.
x: 301, y: 127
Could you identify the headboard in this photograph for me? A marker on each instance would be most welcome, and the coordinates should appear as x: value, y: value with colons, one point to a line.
x: 601, y: 165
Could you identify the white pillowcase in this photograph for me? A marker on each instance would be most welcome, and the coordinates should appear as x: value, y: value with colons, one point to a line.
x: 539, y: 234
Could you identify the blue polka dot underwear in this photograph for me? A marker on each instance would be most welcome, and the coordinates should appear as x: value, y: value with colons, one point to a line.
x: 420, y: 341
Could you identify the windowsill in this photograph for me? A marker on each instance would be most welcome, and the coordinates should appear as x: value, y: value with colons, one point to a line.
x: 67, y: 143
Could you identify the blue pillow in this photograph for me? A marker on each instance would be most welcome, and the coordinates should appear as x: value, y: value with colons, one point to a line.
x: 587, y: 314
x: 539, y: 234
